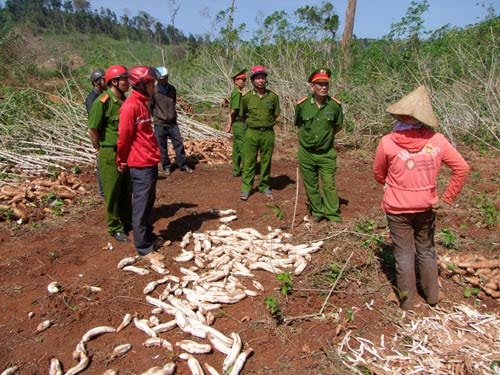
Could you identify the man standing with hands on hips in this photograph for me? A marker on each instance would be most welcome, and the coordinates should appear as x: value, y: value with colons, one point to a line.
x: 319, y: 117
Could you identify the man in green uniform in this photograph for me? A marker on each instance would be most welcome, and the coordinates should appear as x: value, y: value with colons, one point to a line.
x: 234, y: 122
x: 319, y: 117
x: 103, y: 132
x: 258, y: 110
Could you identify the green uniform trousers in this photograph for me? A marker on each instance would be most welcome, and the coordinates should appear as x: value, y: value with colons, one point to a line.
x: 257, y: 141
x: 238, y: 139
x: 117, y: 189
x: 319, y: 169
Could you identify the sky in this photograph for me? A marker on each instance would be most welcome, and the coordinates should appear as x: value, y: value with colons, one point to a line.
x: 373, y: 17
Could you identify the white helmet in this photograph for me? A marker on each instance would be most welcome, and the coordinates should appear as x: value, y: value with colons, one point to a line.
x: 163, y: 72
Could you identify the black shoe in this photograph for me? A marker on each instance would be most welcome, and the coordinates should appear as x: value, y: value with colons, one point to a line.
x: 187, y: 169
x: 317, y: 219
x: 121, y: 237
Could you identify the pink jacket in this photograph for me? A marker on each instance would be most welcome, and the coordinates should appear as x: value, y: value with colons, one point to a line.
x: 137, y: 145
x: 407, y: 163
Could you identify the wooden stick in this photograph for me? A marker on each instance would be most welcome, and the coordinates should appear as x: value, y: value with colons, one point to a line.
x: 335, y: 284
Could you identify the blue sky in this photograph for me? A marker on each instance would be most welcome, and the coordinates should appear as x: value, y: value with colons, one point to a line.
x: 373, y: 17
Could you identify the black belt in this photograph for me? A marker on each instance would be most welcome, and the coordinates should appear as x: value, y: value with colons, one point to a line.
x: 262, y: 129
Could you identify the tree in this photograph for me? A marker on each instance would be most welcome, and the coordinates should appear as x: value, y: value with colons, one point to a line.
x: 347, y: 36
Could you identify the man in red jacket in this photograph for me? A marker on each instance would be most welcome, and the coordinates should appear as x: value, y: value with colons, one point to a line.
x: 407, y: 163
x: 137, y: 150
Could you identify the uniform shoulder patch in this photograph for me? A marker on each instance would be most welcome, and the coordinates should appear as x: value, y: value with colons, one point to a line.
x: 336, y: 100
x: 104, y: 98
x: 301, y: 100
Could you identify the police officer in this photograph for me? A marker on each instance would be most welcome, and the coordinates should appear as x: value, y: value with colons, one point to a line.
x: 98, y: 86
x: 319, y: 117
x: 103, y: 132
x: 234, y: 123
x: 259, y: 110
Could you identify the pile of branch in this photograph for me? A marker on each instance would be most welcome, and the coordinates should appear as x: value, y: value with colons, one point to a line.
x: 195, y: 130
x: 461, y: 341
x: 476, y: 270
x: 208, y: 151
x: 18, y: 200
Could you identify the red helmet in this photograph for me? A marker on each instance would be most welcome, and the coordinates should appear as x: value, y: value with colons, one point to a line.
x: 115, y: 71
x: 142, y: 74
x: 257, y: 69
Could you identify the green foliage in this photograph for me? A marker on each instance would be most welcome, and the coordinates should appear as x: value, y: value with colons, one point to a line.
x: 448, y: 238
x: 278, y: 212
x: 368, y: 227
x: 334, y: 272
x: 469, y: 292
x: 489, y: 212
x: 274, y: 309
x: 286, y: 283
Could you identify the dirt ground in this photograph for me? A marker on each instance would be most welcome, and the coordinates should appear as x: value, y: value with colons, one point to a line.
x: 73, y: 250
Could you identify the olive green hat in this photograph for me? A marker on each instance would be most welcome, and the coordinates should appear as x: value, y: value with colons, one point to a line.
x: 320, y: 75
x: 416, y: 104
x: 240, y: 74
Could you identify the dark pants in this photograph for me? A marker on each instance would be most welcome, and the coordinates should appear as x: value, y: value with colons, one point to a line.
x: 163, y: 133
x: 143, y: 195
x: 413, y: 238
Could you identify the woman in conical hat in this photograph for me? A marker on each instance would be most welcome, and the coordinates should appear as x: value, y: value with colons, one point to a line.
x: 407, y: 163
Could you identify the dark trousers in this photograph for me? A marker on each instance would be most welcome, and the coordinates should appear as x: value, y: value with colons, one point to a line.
x: 143, y: 196
x: 172, y: 132
x: 413, y: 238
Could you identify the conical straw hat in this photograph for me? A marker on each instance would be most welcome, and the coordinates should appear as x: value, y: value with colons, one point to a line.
x: 417, y: 105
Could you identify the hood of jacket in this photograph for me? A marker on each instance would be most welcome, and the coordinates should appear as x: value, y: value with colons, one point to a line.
x: 412, y: 140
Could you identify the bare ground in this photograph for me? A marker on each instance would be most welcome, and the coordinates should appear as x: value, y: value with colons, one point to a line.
x: 73, y: 250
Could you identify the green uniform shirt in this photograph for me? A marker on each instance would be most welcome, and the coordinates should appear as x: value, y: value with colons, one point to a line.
x: 103, y: 116
x: 234, y: 103
x: 318, y: 126
x: 260, y: 112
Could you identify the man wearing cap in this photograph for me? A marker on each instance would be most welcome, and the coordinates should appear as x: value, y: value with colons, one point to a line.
x: 319, y: 117
x: 407, y: 162
x: 163, y: 108
x: 259, y: 110
x: 98, y: 86
x: 234, y: 123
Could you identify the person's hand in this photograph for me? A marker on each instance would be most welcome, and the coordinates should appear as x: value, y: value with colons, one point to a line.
x: 228, y: 128
x: 122, y: 167
x: 441, y: 207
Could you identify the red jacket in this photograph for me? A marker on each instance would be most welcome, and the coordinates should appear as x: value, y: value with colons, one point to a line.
x: 137, y: 145
x: 407, y: 163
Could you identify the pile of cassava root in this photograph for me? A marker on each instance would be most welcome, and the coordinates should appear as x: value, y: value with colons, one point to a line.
x: 17, y: 200
x: 218, y: 267
x: 474, y: 269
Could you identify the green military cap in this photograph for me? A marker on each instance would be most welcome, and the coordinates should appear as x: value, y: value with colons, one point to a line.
x: 320, y: 75
x: 241, y: 74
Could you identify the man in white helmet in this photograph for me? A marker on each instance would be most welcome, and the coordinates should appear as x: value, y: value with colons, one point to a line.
x: 162, y: 107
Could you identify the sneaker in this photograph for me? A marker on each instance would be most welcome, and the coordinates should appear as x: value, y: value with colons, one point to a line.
x: 187, y: 169
x: 159, y: 242
x: 244, y: 195
x: 166, y: 172
x: 121, y: 237
x: 268, y: 192
x: 317, y: 219
x: 154, y: 257
x: 236, y: 174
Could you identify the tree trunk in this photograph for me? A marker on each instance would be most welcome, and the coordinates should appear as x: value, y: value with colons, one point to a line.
x: 229, y: 28
x: 347, y: 37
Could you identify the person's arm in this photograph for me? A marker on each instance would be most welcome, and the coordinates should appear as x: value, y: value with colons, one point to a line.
x: 459, y: 171
x: 231, y: 117
x: 125, y: 135
x: 380, y: 164
x: 95, y: 120
x: 94, y: 138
